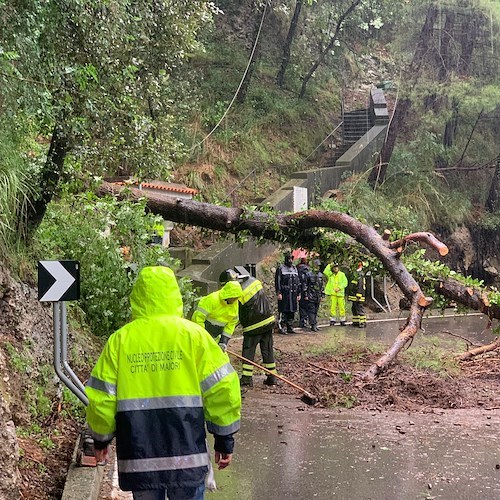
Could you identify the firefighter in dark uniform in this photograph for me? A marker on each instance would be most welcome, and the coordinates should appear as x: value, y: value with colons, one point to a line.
x: 313, y: 292
x: 303, y: 268
x: 257, y: 319
x: 288, y: 292
x: 357, y: 297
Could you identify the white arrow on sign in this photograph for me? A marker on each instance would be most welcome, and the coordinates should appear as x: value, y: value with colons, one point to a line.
x: 63, y: 280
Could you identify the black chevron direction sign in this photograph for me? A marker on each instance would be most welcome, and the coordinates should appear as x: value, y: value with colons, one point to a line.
x: 58, y: 280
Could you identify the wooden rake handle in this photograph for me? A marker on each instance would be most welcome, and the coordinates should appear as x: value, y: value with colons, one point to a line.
x: 301, y: 389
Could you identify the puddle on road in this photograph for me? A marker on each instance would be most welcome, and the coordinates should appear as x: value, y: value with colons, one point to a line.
x: 285, y: 452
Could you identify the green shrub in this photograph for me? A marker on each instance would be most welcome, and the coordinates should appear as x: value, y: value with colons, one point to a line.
x: 95, y: 232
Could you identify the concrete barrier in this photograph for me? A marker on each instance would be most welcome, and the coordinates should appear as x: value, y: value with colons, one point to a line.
x: 82, y: 483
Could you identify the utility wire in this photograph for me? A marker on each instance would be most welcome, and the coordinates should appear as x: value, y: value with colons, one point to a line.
x: 239, y: 86
x: 319, y: 145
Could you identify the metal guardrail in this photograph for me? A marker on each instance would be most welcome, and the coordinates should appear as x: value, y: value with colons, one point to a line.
x: 387, y: 307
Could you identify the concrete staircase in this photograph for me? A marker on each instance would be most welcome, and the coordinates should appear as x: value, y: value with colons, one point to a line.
x: 363, y: 135
x: 355, y: 125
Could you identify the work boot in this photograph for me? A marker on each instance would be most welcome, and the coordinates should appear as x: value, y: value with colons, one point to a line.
x: 282, y: 329
x: 271, y: 380
x: 342, y: 323
x: 246, y: 380
x: 332, y: 322
x: 355, y: 324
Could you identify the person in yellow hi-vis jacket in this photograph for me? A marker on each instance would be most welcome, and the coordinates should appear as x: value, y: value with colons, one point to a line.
x: 257, y: 320
x: 158, y: 381
x: 335, y: 287
x: 218, y: 312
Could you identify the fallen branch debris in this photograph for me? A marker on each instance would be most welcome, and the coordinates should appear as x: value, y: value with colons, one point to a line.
x: 480, y: 350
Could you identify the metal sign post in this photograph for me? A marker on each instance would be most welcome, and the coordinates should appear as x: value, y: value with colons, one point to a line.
x: 61, y: 354
x: 59, y: 281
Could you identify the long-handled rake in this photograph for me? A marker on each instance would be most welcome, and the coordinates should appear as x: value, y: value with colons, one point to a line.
x: 306, y: 397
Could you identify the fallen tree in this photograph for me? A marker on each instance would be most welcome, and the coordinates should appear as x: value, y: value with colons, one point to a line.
x: 294, y: 227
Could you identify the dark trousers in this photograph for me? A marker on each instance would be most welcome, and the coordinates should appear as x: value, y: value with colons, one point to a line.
x: 286, y: 320
x: 303, y: 312
x: 250, y: 343
x: 312, y: 312
x: 193, y: 493
x: 358, y: 313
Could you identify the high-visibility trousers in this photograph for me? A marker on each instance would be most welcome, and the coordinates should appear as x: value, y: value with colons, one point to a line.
x: 337, y: 308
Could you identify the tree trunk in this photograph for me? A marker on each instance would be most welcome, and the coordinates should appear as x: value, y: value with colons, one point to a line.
x: 328, y: 48
x: 294, y: 228
x: 493, y: 201
x: 450, y: 130
x: 254, y: 57
x: 444, y: 59
x: 49, y: 181
x: 280, y: 77
x: 468, y: 38
x: 377, y: 175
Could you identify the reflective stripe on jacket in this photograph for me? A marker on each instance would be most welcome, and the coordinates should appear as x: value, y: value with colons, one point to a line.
x: 159, y: 379
x: 255, y: 310
x: 357, y: 287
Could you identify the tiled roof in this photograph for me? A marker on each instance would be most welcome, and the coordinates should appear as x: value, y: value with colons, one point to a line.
x: 161, y: 186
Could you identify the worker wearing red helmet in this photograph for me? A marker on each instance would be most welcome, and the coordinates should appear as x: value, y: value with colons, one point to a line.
x: 357, y: 290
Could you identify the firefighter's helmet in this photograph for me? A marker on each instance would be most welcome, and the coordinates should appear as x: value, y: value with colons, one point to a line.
x: 227, y: 275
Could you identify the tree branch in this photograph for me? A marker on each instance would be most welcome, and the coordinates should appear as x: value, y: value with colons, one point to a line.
x: 422, y: 237
x: 278, y: 227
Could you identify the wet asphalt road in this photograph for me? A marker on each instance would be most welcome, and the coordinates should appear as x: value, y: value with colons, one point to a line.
x: 287, y: 450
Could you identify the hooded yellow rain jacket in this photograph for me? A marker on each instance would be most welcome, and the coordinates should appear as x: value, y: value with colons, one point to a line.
x: 335, y: 280
x: 159, y: 379
x: 217, y: 316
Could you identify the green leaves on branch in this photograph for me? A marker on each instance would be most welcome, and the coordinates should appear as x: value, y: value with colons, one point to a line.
x: 428, y: 273
x: 111, y: 240
x: 110, y: 74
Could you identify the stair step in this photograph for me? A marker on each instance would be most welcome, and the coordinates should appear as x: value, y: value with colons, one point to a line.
x: 359, y: 127
x: 364, y: 120
x: 357, y: 112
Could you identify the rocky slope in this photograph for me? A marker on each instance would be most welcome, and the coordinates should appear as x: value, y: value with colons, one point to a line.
x: 38, y: 420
